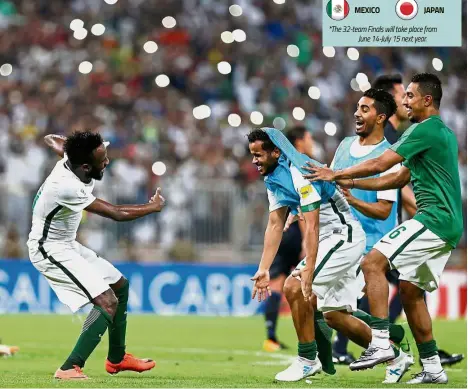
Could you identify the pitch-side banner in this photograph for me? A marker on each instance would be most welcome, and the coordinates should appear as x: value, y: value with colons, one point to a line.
x: 180, y: 289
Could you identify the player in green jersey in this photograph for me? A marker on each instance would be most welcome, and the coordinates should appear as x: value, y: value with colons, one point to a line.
x: 419, y: 248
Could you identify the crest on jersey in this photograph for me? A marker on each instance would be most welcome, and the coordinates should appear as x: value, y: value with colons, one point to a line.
x: 306, y: 191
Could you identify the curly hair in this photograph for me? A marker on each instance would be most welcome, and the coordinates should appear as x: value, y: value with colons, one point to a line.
x: 261, y: 135
x: 80, y: 145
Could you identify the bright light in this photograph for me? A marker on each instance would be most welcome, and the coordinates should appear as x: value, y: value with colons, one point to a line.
x: 98, y: 29
x: 235, y: 10
x: 6, y: 69
x: 110, y: 1
x: 234, y: 120
x: 159, y: 168
x: 293, y: 51
x: 80, y: 34
x: 365, y: 86
x: 279, y: 1
x: 224, y: 67
x: 330, y: 128
x: 76, y: 24
x: 353, y: 54
x: 239, y: 35
x: 169, y: 22
x: 201, y: 112
x: 329, y: 51
x: 85, y: 67
x: 314, y: 92
x: 298, y: 113
x: 150, y: 47
x: 279, y: 123
x: 361, y: 78
x: 227, y: 37
x: 437, y: 64
x: 354, y: 85
x: 256, y: 118
x: 162, y: 80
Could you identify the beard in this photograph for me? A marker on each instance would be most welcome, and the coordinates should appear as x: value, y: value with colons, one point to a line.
x: 96, y: 174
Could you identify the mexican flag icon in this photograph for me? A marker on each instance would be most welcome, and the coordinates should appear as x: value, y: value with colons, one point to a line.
x: 337, y: 9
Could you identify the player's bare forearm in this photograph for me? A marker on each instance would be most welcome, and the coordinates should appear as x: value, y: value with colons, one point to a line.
x: 408, y: 201
x: 379, y: 210
x: 273, y: 235
x: 389, y: 181
x: 56, y: 143
x: 370, y: 167
x: 123, y: 213
x: 311, y: 237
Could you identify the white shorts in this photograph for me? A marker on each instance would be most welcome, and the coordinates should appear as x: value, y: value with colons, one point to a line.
x: 75, y: 273
x: 417, y: 253
x: 335, y: 283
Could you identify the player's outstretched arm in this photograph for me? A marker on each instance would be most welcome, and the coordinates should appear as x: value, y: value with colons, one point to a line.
x: 379, y: 210
x: 124, y: 213
x: 272, y: 240
x: 368, y: 168
x: 389, y: 181
x: 56, y: 142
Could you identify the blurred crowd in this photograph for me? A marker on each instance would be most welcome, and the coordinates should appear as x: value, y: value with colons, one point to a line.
x: 213, y: 191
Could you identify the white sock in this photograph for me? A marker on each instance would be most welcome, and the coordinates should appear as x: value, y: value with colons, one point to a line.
x: 381, y: 338
x: 432, y: 364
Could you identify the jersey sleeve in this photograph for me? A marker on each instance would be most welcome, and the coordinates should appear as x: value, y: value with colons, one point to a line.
x: 414, y: 141
x: 274, y: 203
x: 74, y: 198
x: 391, y: 194
x: 309, y: 193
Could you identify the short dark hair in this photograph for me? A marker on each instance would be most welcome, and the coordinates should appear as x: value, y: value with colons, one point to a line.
x: 80, y: 145
x: 429, y: 84
x: 383, y: 102
x: 261, y: 135
x: 387, y: 82
x: 295, y: 133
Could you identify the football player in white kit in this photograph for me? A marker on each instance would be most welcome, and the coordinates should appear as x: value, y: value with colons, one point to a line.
x: 77, y: 274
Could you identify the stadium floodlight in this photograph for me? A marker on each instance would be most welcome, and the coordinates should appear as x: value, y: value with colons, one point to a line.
x: 239, y: 35
x: 85, y: 67
x: 354, y: 85
x: 159, y: 168
x: 293, y: 51
x: 365, y: 86
x: 234, y: 120
x: 110, y: 1
x: 169, y: 22
x: 314, y: 93
x: 329, y: 51
x: 362, y: 78
x: 330, y: 128
x: 201, y: 112
x: 224, y: 67
x: 6, y: 69
x: 80, y: 34
x: 279, y: 1
x: 279, y: 123
x: 227, y: 37
x: 150, y: 47
x: 76, y: 24
x: 98, y: 29
x: 235, y: 10
x: 437, y: 64
x: 162, y: 80
x: 256, y: 118
x: 353, y: 54
x: 298, y: 113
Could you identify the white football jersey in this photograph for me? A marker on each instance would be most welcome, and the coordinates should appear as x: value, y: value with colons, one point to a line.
x: 58, y: 206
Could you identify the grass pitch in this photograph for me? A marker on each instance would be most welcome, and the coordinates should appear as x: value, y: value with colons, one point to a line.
x: 223, y: 352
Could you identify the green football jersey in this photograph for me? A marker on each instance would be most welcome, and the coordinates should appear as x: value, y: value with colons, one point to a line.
x: 430, y: 151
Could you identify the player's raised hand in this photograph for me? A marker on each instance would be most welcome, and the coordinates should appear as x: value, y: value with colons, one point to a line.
x: 158, y: 199
x: 261, y: 287
x: 318, y: 173
x: 348, y: 196
x: 307, y: 276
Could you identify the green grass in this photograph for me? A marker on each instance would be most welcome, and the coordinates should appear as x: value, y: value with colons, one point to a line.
x: 190, y: 352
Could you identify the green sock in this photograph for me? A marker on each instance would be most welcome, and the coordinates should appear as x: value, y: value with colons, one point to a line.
x: 396, y: 350
x: 427, y: 349
x: 94, y: 328
x: 397, y: 332
x: 323, y: 337
x: 308, y: 350
x: 118, y: 328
